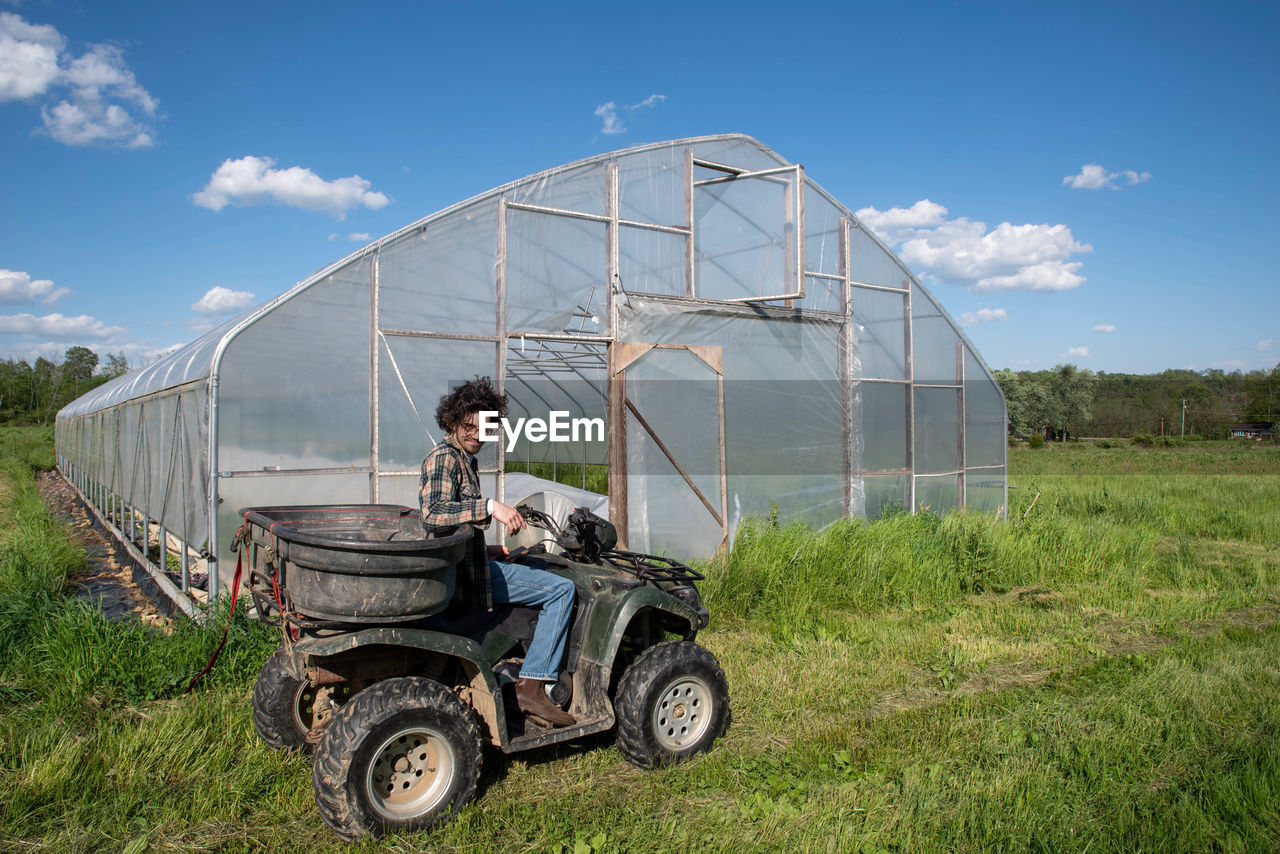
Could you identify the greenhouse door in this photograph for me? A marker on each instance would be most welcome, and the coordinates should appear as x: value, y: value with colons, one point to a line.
x: 670, y: 448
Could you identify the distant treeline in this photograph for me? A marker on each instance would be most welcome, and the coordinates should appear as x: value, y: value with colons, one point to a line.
x: 1071, y: 401
x: 33, y: 393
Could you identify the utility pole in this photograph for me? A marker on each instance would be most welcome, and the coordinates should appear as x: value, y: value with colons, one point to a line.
x: 1184, y: 418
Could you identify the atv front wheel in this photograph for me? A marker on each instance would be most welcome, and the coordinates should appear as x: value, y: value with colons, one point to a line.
x: 402, y: 755
x: 672, y: 703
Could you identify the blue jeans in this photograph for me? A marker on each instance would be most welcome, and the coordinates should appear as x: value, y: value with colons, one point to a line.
x: 515, y: 584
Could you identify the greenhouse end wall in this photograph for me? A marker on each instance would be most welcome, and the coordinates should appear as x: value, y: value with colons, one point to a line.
x: 753, y: 348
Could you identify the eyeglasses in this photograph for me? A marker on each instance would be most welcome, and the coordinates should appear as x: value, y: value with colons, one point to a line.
x: 469, y: 429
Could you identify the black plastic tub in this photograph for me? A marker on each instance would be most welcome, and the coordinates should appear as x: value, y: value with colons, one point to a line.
x: 352, y: 563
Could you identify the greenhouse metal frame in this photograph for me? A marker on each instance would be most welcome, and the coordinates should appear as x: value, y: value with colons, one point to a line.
x: 753, y: 348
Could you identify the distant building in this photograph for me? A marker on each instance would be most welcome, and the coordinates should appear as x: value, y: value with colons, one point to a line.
x: 1251, y: 430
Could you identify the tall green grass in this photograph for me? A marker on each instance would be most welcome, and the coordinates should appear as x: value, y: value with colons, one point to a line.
x: 94, y: 734
x: 799, y: 581
x: 28, y: 446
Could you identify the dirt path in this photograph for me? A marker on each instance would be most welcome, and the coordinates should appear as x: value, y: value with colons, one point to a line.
x: 111, y: 582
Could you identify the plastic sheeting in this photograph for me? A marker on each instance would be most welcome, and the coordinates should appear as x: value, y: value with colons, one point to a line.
x: 440, y: 276
x: 745, y: 237
x: 985, y: 435
x: 294, y: 390
x: 880, y: 421
x: 555, y: 265
x: 413, y: 374
x: 152, y: 451
x: 880, y: 342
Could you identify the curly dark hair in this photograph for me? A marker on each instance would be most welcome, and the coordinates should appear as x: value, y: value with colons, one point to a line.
x: 477, y: 395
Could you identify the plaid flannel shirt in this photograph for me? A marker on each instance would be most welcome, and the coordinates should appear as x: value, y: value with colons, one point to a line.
x: 449, y: 495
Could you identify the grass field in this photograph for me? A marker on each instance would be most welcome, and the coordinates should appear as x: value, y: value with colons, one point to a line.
x: 1101, y: 673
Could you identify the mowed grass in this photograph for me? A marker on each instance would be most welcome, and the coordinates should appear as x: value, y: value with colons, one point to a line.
x: 1099, y: 673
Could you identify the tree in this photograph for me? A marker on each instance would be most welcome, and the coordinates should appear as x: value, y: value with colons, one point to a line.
x: 15, y: 387
x: 78, y: 365
x: 1025, y: 402
x: 1015, y: 405
x: 1262, y: 394
x: 1071, y: 395
x: 44, y: 378
x: 117, y: 365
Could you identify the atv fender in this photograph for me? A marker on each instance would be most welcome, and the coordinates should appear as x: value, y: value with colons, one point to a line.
x: 477, y: 662
x: 608, y: 629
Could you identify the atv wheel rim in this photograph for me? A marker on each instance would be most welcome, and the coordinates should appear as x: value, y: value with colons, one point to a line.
x: 682, y: 714
x: 411, y: 774
x: 304, y: 707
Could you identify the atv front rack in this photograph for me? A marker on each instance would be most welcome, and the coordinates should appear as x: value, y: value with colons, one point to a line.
x: 651, y: 567
x: 588, y: 538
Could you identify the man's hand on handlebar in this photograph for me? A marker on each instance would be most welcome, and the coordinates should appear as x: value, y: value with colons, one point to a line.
x: 508, y: 516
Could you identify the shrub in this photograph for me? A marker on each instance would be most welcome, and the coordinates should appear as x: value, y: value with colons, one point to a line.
x: 1035, y: 440
x: 1149, y: 441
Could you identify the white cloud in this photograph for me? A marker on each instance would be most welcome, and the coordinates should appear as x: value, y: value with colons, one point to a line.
x: 1093, y: 177
x: 59, y: 327
x: 28, y: 57
x: 359, y: 237
x: 54, y: 351
x: 923, y: 214
x: 94, y: 122
x: 17, y: 288
x: 219, y: 300
x: 1230, y: 365
x: 1045, y: 276
x: 1078, y: 352
x: 1103, y: 327
x: 1265, y: 345
x: 139, y: 353
x: 611, y: 122
x: 102, y: 71
x: 608, y: 115
x: 1006, y: 258
x: 102, y: 100
x: 983, y: 315
x: 255, y: 180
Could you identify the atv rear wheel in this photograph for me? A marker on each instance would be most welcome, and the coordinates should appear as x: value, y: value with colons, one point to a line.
x: 404, y: 754
x: 672, y: 703
x: 283, y: 706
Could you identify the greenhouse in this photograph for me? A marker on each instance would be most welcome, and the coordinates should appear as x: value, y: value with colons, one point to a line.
x: 742, y: 344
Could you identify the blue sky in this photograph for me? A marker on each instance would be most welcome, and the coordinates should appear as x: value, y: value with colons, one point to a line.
x: 1093, y: 183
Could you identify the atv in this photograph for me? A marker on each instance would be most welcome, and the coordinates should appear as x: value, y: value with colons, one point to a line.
x: 397, y: 685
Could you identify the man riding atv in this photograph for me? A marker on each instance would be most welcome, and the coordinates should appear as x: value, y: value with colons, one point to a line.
x: 397, y: 669
x: 449, y: 495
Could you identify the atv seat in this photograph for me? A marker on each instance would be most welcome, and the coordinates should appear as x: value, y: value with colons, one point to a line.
x: 515, y: 621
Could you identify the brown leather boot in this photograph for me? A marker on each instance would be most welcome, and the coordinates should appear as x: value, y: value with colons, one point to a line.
x: 533, y: 701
